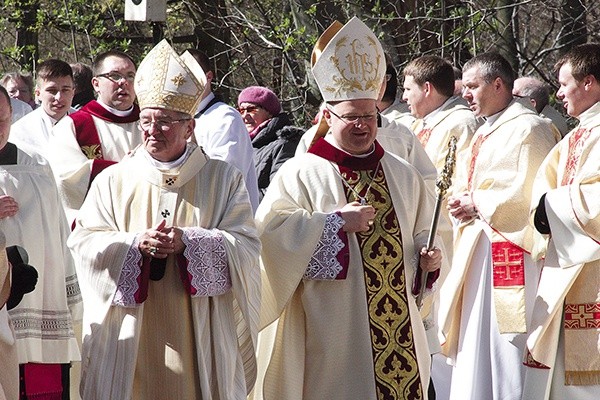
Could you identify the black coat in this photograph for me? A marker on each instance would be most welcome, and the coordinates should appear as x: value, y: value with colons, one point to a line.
x: 273, y: 145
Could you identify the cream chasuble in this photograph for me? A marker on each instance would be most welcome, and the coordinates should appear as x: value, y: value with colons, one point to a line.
x: 172, y: 345
x: 318, y: 343
x: 491, y: 264
x: 567, y: 308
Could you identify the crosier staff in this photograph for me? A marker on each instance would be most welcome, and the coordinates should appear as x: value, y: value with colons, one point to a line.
x: 442, y: 184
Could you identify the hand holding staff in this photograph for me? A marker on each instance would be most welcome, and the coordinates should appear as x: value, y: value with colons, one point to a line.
x: 442, y: 184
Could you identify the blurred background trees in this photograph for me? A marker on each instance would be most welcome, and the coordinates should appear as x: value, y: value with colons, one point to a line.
x: 269, y: 42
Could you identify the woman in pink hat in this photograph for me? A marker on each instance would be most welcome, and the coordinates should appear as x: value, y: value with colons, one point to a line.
x: 274, y: 138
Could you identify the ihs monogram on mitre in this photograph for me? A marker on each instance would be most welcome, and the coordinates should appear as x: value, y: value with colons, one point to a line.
x: 358, y: 66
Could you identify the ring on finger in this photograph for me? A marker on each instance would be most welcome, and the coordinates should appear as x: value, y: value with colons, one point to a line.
x: 153, y: 250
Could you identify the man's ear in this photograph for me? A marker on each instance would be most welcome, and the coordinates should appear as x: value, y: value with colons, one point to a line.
x: 210, y: 76
x: 190, y: 129
x: 95, y: 84
x: 427, y: 87
x: 498, y: 83
x: 588, y: 82
x: 327, y: 116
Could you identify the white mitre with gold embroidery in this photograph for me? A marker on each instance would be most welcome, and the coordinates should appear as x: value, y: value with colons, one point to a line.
x: 166, y: 80
x: 348, y: 62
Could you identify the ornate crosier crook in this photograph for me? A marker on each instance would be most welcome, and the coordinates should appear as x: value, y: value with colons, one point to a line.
x: 442, y: 184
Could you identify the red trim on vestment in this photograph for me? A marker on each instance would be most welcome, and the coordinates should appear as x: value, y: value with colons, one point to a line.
x: 424, y: 135
x: 186, y: 277
x: 343, y: 256
x: 474, y: 153
x: 530, y: 362
x: 509, y: 264
x: 97, y: 167
x: 97, y: 110
x: 43, y: 381
x: 324, y: 149
x: 576, y: 141
x: 143, y: 280
x: 86, y: 134
x: 582, y: 316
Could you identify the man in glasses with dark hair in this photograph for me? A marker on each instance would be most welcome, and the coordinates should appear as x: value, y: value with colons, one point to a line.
x: 98, y: 135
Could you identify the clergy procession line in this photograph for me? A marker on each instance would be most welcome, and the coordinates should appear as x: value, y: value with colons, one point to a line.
x: 157, y: 243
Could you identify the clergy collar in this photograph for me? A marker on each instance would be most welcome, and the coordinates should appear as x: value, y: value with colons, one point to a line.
x: 331, y: 140
x: 165, y: 166
x: 104, y: 112
x: 443, y: 106
x: 204, y: 102
x: 118, y: 113
x: 326, y: 150
x: 489, y: 121
x: 589, y: 115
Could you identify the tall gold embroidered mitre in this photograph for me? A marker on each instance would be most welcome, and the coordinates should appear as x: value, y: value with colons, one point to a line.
x: 166, y: 80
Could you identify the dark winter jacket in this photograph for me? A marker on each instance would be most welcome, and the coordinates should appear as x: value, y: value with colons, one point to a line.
x: 273, y: 145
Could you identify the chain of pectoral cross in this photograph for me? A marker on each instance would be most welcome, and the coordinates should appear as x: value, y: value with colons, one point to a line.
x: 361, y: 199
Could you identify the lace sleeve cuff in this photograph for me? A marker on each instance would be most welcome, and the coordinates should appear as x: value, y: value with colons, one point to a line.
x: 330, y: 259
x: 207, y: 266
x: 130, y: 283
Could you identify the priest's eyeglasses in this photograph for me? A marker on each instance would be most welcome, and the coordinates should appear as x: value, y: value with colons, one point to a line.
x: 354, y: 119
x: 117, y: 77
x: 162, y: 125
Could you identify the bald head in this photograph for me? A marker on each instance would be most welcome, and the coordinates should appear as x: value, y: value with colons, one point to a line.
x: 533, y: 88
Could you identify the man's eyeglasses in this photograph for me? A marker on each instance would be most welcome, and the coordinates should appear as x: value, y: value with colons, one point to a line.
x: 249, y: 109
x: 354, y: 119
x: 117, y: 77
x: 161, y: 125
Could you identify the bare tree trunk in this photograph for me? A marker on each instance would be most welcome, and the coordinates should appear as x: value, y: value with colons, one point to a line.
x: 507, y: 43
x: 213, y: 37
x: 27, y: 36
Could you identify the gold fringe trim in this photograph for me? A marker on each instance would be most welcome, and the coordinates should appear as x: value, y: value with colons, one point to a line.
x: 582, y: 378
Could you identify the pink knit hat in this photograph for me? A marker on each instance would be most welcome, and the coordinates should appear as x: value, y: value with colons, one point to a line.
x: 261, y: 96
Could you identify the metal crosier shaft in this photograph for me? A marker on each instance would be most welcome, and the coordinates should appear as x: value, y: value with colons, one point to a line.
x: 442, y: 184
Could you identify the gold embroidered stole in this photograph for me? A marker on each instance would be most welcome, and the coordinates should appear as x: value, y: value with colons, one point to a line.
x: 582, y: 303
x: 508, y: 269
x: 394, y: 354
